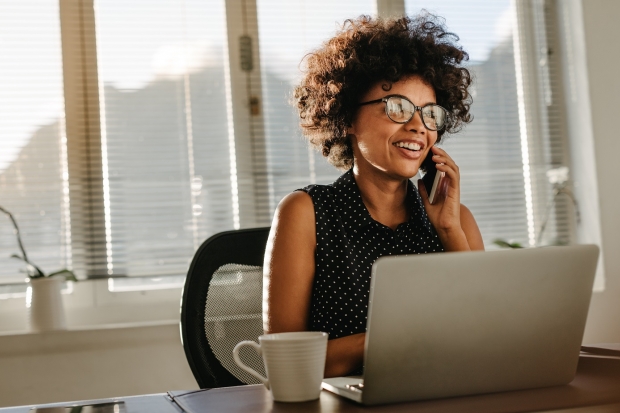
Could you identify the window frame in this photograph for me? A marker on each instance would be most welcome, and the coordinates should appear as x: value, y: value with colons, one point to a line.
x: 90, y: 250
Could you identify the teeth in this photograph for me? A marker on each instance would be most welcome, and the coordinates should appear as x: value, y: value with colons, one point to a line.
x: 410, y: 146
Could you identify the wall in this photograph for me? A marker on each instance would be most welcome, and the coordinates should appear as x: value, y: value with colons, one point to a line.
x: 92, y: 363
x: 117, y: 344
x: 602, y: 34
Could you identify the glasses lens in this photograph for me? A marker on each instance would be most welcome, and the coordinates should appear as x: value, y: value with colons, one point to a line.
x: 434, y: 117
x: 398, y: 109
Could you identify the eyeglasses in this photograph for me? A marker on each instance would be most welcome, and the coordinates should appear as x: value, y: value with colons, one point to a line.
x: 400, y: 110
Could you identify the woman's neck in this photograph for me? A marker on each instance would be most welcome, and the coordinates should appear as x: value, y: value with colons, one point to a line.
x: 384, y: 197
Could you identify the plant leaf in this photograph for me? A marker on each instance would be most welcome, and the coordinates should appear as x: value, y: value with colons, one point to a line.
x: 38, y: 272
x: 505, y: 244
x: 69, y: 275
x: 19, y: 257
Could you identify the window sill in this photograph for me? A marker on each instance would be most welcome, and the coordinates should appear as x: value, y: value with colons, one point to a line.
x: 20, y: 343
x: 91, y: 306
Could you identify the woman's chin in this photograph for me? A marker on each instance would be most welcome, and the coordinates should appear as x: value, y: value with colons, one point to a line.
x: 395, y: 170
x: 407, y: 170
x: 402, y: 173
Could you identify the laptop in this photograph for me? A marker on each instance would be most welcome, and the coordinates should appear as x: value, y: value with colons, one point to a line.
x: 464, y: 323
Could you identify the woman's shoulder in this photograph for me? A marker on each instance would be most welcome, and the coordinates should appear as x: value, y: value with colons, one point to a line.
x: 294, y: 217
x: 316, y: 190
x: 304, y: 202
x: 322, y: 196
x: 296, y: 201
x: 295, y: 206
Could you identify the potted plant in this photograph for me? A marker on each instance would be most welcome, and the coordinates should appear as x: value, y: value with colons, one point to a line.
x: 558, y: 178
x: 43, y: 299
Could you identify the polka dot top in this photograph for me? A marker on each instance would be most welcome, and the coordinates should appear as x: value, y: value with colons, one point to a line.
x: 348, y: 243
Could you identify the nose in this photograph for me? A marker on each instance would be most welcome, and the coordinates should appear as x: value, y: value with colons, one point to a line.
x: 415, y: 124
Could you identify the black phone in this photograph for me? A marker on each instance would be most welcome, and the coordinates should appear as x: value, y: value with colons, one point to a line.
x: 432, y: 177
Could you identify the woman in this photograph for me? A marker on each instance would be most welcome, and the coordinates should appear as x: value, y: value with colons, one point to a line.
x: 375, y: 99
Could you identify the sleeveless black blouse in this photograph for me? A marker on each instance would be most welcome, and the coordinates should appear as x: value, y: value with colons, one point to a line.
x: 348, y: 243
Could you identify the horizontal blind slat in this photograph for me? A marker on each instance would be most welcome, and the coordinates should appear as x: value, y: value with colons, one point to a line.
x: 31, y: 103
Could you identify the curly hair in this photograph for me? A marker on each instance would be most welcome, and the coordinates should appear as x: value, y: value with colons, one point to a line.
x: 369, y: 50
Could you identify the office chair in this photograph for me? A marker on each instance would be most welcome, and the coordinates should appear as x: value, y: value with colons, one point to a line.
x: 222, y: 305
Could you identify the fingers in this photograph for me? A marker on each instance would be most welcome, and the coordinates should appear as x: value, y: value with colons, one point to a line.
x: 444, y: 212
x: 443, y: 187
x: 441, y: 156
x: 446, y: 164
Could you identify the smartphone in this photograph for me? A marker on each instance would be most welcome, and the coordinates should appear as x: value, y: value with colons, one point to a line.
x: 432, y: 178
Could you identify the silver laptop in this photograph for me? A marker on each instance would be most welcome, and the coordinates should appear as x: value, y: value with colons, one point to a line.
x: 454, y: 324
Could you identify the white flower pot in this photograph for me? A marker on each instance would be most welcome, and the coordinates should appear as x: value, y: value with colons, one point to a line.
x: 44, y: 301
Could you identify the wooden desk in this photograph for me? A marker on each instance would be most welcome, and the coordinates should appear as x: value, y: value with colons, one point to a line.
x: 596, y: 388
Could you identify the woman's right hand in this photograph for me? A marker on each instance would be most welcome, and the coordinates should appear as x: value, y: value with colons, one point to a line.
x: 455, y: 225
x: 344, y: 355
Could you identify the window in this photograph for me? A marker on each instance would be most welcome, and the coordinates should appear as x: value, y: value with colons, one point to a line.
x: 292, y: 164
x: 504, y: 164
x: 32, y: 155
x: 178, y: 124
x: 165, y: 129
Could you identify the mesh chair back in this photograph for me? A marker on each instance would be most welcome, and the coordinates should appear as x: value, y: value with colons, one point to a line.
x: 222, y: 305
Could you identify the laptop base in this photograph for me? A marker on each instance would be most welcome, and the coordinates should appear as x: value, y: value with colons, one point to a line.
x: 348, y: 387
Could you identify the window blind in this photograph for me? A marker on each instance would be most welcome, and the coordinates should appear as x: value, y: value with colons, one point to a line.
x: 508, y: 196
x: 150, y: 155
x: 165, y: 128
x: 287, y: 32
x: 31, y: 137
x: 554, y: 213
x: 488, y: 150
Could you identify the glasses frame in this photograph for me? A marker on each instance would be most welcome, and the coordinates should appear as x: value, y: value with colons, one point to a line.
x: 415, y: 109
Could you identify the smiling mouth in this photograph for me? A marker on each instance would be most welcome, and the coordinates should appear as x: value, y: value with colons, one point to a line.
x: 414, y: 147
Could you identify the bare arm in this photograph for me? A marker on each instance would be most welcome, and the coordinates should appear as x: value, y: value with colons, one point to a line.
x: 288, y: 275
x: 288, y: 270
x: 471, y: 230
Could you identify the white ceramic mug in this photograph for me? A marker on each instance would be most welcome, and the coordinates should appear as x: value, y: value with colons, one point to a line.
x: 294, y: 363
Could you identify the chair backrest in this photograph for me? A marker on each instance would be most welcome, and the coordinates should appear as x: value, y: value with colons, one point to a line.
x: 222, y: 305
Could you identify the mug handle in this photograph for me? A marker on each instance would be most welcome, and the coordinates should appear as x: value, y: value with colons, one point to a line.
x: 246, y: 368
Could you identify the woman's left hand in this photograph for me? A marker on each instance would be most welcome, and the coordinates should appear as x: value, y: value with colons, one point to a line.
x: 445, y: 212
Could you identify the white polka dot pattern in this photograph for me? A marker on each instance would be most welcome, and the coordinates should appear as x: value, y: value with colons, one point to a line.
x: 348, y: 243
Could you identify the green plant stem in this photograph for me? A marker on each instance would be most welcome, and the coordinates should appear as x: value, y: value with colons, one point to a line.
x: 24, y: 257
x: 557, y: 191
